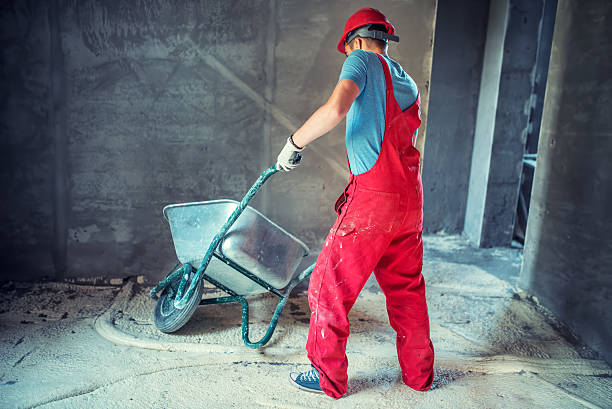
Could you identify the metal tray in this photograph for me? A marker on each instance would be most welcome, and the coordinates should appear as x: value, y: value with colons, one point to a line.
x: 254, y: 242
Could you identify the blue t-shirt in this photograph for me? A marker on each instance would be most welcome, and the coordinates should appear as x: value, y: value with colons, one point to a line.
x: 365, y: 121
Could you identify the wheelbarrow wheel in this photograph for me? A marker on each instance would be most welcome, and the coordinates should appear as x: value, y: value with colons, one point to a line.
x: 167, y: 317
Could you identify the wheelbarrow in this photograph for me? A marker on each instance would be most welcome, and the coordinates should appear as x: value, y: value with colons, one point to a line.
x: 247, y: 254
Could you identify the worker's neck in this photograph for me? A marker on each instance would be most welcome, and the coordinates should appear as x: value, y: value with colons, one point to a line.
x: 376, y: 50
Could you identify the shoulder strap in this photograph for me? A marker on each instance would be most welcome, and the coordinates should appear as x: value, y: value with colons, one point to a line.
x: 388, y: 79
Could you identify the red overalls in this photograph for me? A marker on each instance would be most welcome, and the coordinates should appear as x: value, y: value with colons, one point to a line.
x: 379, y: 225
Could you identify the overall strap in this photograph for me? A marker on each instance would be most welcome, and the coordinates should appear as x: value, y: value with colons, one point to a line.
x: 387, y: 73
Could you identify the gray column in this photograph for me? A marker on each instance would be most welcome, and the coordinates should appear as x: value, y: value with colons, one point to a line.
x: 568, y: 251
x: 502, y: 120
x: 453, y: 99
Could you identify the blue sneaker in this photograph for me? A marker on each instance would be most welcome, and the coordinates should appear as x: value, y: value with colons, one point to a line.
x: 307, y: 381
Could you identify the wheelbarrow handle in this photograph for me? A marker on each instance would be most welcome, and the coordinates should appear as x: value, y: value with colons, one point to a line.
x: 181, y: 300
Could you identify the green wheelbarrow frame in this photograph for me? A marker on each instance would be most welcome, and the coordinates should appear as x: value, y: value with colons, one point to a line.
x: 184, y: 294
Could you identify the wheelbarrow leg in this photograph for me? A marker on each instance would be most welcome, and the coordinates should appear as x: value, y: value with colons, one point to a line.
x: 279, y: 309
x: 245, y: 317
x: 245, y: 306
x: 271, y: 327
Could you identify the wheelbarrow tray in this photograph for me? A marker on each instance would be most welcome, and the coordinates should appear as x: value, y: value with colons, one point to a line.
x: 254, y: 243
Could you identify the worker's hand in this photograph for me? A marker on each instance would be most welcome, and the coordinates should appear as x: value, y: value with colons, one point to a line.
x: 289, y: 157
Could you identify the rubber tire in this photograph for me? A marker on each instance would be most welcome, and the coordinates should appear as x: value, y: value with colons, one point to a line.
x: 169, y: 319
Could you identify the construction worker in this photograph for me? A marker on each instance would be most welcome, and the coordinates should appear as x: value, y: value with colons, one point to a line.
x: 379, y: 223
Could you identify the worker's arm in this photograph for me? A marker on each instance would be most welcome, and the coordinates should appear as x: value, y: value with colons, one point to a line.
x: 322, y: 121
x: 329, y: 114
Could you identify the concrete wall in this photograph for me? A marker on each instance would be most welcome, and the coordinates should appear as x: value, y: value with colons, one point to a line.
x: 540, y: 75
x: 568, y: 251
x: 27, y: 152
x: 503, y: 120
x: 113, y: 109
x: 455, y: 80
x: 487, y: 87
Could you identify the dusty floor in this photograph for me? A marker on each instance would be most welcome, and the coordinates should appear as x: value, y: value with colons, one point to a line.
x: 64, y: 345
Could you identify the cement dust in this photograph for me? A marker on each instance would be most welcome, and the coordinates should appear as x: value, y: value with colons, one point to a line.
x: 494, y: 347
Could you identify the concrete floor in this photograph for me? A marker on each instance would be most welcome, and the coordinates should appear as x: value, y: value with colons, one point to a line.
x: 70, y: 346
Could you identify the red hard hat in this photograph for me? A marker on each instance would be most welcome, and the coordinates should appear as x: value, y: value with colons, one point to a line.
x: 362, y: 17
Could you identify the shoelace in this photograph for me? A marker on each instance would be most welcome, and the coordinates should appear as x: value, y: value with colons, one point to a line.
x: 310, y: 376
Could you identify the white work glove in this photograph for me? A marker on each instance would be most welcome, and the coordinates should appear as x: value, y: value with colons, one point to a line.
x: 289, y: 157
